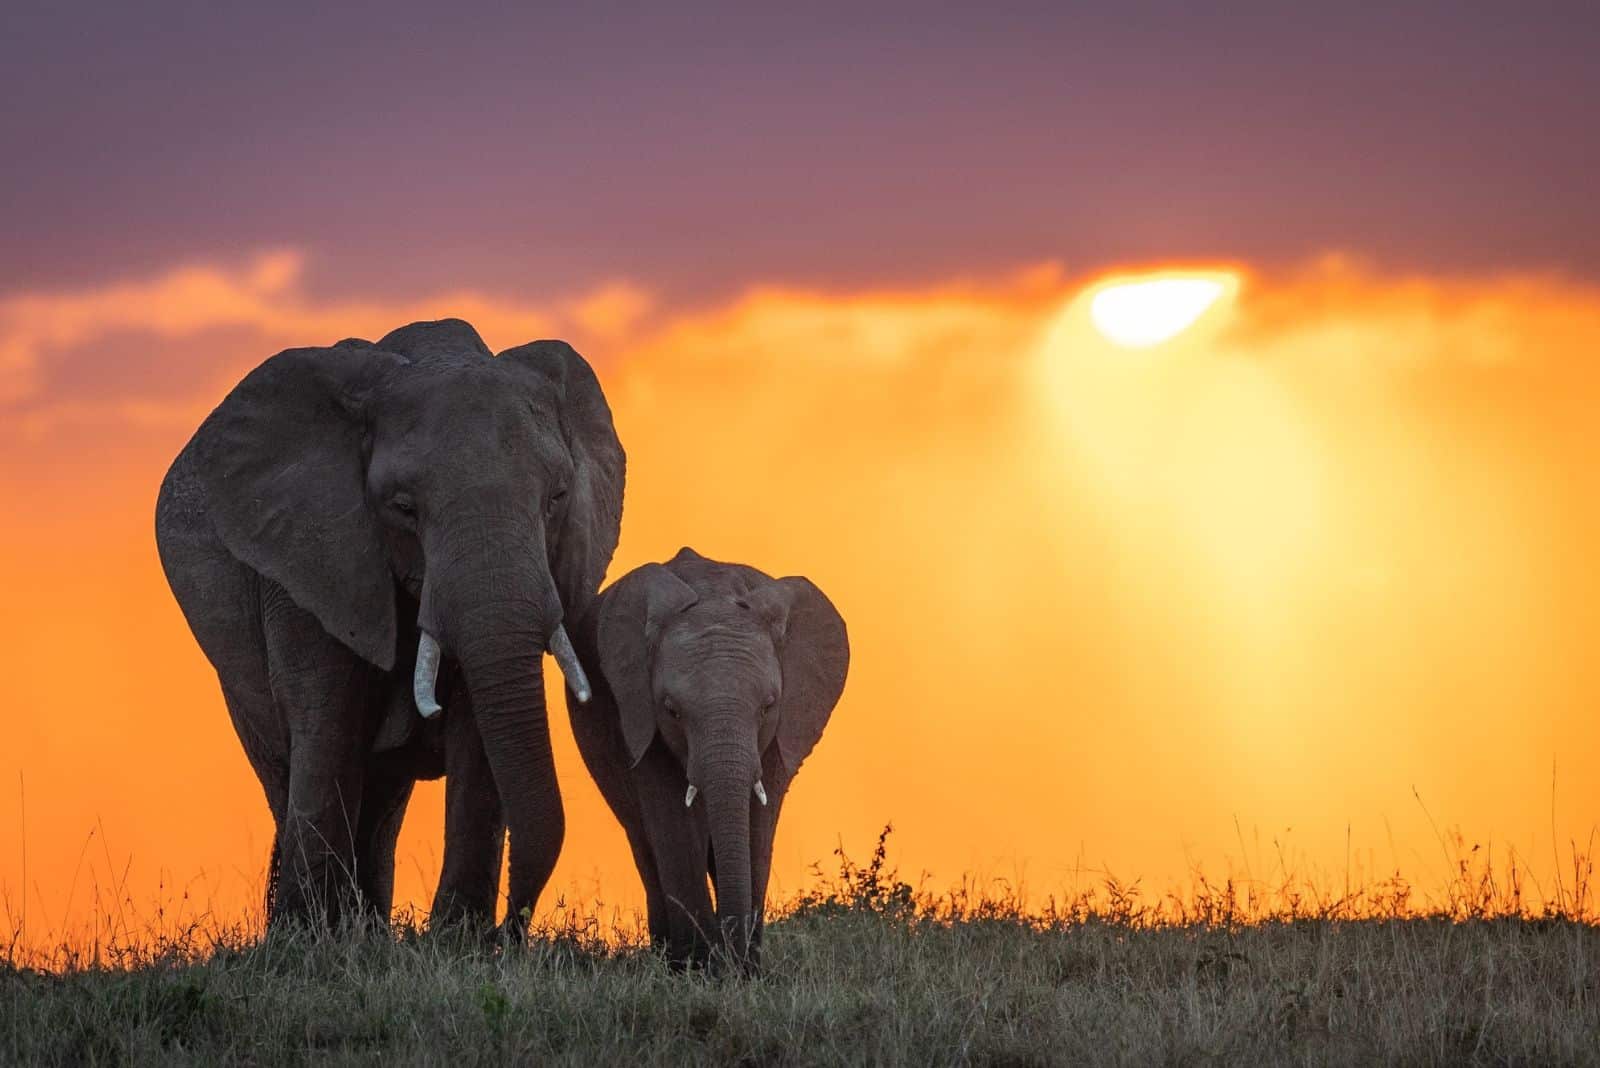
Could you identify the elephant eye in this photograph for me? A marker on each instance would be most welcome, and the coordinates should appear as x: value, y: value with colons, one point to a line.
x: 555, y: 500
x: 402, y: 503
x: 672, y: 709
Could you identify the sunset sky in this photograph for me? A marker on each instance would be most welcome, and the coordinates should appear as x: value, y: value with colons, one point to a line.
x: 1326, y: 552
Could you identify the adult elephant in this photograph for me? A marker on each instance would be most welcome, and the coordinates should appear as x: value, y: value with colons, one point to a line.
x: 345, y: 520
x: 715, y: 681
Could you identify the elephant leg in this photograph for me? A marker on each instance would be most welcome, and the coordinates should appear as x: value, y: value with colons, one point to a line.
x: 474, y: 826
x: 690, y: 921
x: 604, y: 752
x: 221, y: 600
x: 320, y: 688
x: 620, y: 795
x: 253, y: 713
x: 644, y: 859
x: 383, y: 809
x: 763, y: 830
x: 679, y: 840
x: 625, y: 806
x: 317, y: 851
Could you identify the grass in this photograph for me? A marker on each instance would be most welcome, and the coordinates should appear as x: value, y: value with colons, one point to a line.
x: 864, y: 968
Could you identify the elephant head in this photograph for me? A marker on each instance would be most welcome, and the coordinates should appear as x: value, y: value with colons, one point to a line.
x: 733, y: 672
x: 487, y: 488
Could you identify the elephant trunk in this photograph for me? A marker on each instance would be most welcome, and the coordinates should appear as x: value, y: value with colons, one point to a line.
x: 729, y: 774
x: 497, y: 612
x: 504, y: 676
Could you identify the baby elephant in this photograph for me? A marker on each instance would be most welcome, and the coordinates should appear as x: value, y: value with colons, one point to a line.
x: 714, y: 682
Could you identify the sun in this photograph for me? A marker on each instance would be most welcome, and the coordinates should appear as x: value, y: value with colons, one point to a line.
x: 1143, y: 312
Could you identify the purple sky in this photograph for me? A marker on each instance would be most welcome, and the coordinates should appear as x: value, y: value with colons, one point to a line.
x: 695, y: 153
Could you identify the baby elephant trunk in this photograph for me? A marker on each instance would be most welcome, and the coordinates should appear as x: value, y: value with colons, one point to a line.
x: 730, y: 779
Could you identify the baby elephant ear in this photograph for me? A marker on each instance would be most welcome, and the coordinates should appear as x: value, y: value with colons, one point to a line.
x: 632, y: 613
x: 814, y: 655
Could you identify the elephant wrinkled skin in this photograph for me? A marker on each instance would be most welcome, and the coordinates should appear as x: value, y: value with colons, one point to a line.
x: 712, y: 682
x: 343, y: 507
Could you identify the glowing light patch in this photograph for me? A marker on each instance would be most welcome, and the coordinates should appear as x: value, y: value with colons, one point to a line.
x: 1141, y: 314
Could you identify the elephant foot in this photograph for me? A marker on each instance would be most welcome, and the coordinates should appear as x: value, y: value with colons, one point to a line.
x: 725, y: 964
x: 469, y: 926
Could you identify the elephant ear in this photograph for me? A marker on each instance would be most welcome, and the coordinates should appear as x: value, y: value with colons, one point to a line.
x: 588, y: 535
x: 281, y: 460
x: 632, y: 613
x: 814, y: 656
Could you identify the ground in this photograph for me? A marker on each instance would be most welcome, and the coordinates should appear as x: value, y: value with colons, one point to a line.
x: 862, y: 970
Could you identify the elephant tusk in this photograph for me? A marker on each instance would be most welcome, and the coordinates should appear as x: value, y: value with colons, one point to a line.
x: 688, y: 798
x: 426, y: 676
x: 761, y: 792
x: 567, y: 661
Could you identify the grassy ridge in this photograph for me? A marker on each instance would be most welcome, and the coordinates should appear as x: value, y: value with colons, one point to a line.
x: 862, y: 969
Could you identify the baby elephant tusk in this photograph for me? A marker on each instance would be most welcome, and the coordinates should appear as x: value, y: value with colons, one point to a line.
x: 761, y: 792
x: 688, y: 798
x: 426, y: 676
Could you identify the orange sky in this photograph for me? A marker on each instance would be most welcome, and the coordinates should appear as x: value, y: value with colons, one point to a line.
x: 1110, y: 608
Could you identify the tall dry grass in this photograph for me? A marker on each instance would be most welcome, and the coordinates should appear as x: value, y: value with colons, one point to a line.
x: 866, y: 968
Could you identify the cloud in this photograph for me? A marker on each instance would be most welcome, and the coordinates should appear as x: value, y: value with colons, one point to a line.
x: 1340, y: 303
x: 157, y: 349
x: 147, y: 351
